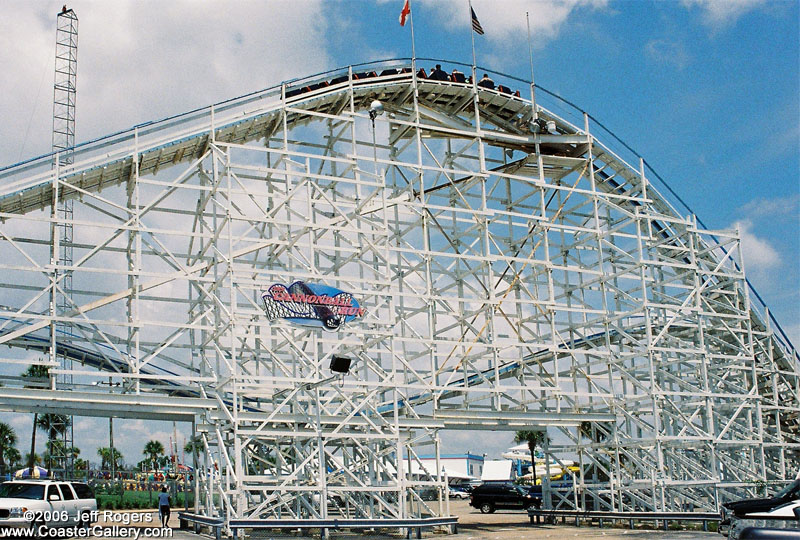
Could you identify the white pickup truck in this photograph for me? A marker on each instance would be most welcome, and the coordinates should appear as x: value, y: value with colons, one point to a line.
x: 33, y: 503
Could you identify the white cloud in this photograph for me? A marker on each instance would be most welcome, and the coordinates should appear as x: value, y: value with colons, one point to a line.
x: 505, y: 20
x: 757, y: 253
x: 780, y: 206
x: 672, y: 53
x: 491, y: 443
x: 144, y: 60
x: 721, y: 13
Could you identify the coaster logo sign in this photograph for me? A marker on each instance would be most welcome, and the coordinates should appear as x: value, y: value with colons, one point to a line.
x: 311, y: 304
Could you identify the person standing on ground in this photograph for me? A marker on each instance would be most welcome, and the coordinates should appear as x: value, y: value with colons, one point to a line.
x: 163, y: 506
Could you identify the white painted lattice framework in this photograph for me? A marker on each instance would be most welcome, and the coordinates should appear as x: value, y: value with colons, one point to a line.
x: 511, y: 280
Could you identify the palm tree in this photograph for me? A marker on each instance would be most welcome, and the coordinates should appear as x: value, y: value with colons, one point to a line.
x: 534, y: 439
x: 104, y: 453
x: 8, y: 438
x: 194, y: 444
x: 109, y: 456
x: 116, y: 459
x: 35, y: 459
x: 14, y: 458
x: 80, y: 466
x: 55, y: 425
x: 153, y: 449
x: 38, y: 372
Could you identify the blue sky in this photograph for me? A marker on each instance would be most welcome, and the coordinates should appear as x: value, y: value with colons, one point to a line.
x: 708, y: 95
x: 706, y: 90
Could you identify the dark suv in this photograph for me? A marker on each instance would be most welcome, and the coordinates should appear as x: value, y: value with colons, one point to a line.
x: 488, y: 497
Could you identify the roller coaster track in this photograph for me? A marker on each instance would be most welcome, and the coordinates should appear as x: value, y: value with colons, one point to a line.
x: 672, y: 377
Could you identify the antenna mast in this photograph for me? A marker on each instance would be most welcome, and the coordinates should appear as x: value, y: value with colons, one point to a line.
x: 530, y: 55
x: 64, y: 91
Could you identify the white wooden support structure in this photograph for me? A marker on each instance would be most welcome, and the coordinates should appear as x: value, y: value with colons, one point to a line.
x: 510, y: 280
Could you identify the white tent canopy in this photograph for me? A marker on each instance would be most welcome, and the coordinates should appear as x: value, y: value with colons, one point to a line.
x: 455, y: 475
x: 430, y: 469
x: 519, y: 452
x: 495, y: 470
x: 522, y: 454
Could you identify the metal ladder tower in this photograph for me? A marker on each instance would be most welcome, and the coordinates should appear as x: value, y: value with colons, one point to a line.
x: 64, y: 93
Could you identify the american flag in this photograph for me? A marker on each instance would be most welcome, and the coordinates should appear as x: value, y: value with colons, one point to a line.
x: 476, y: 26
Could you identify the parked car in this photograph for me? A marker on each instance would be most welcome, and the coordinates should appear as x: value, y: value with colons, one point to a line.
x: 739, y: 509
x: 455, y: 492
x: 780, y: 522
x: 788, y: 511
x: 489, y: 497
x: 32, y: 503
x: 428, y: 493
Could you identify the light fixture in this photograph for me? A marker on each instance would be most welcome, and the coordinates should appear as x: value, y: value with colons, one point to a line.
x: 538, y: 125
x: 340, y: 364
x: 375, y: 109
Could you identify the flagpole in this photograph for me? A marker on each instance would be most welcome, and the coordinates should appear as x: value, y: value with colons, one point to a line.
x: 472, y: 35
x: 530, y: 54
x: 475, y: 98
x: 407, y: 12
x: 413, y: 47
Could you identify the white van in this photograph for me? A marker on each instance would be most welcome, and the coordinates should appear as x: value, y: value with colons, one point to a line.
x: 31, y: 503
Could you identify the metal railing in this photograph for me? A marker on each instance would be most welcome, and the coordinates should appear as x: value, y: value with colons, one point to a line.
x: 324, y: 525
x: 600, y: 516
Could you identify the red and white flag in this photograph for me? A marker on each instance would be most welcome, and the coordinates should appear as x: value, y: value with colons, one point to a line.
x: 405, y: 13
